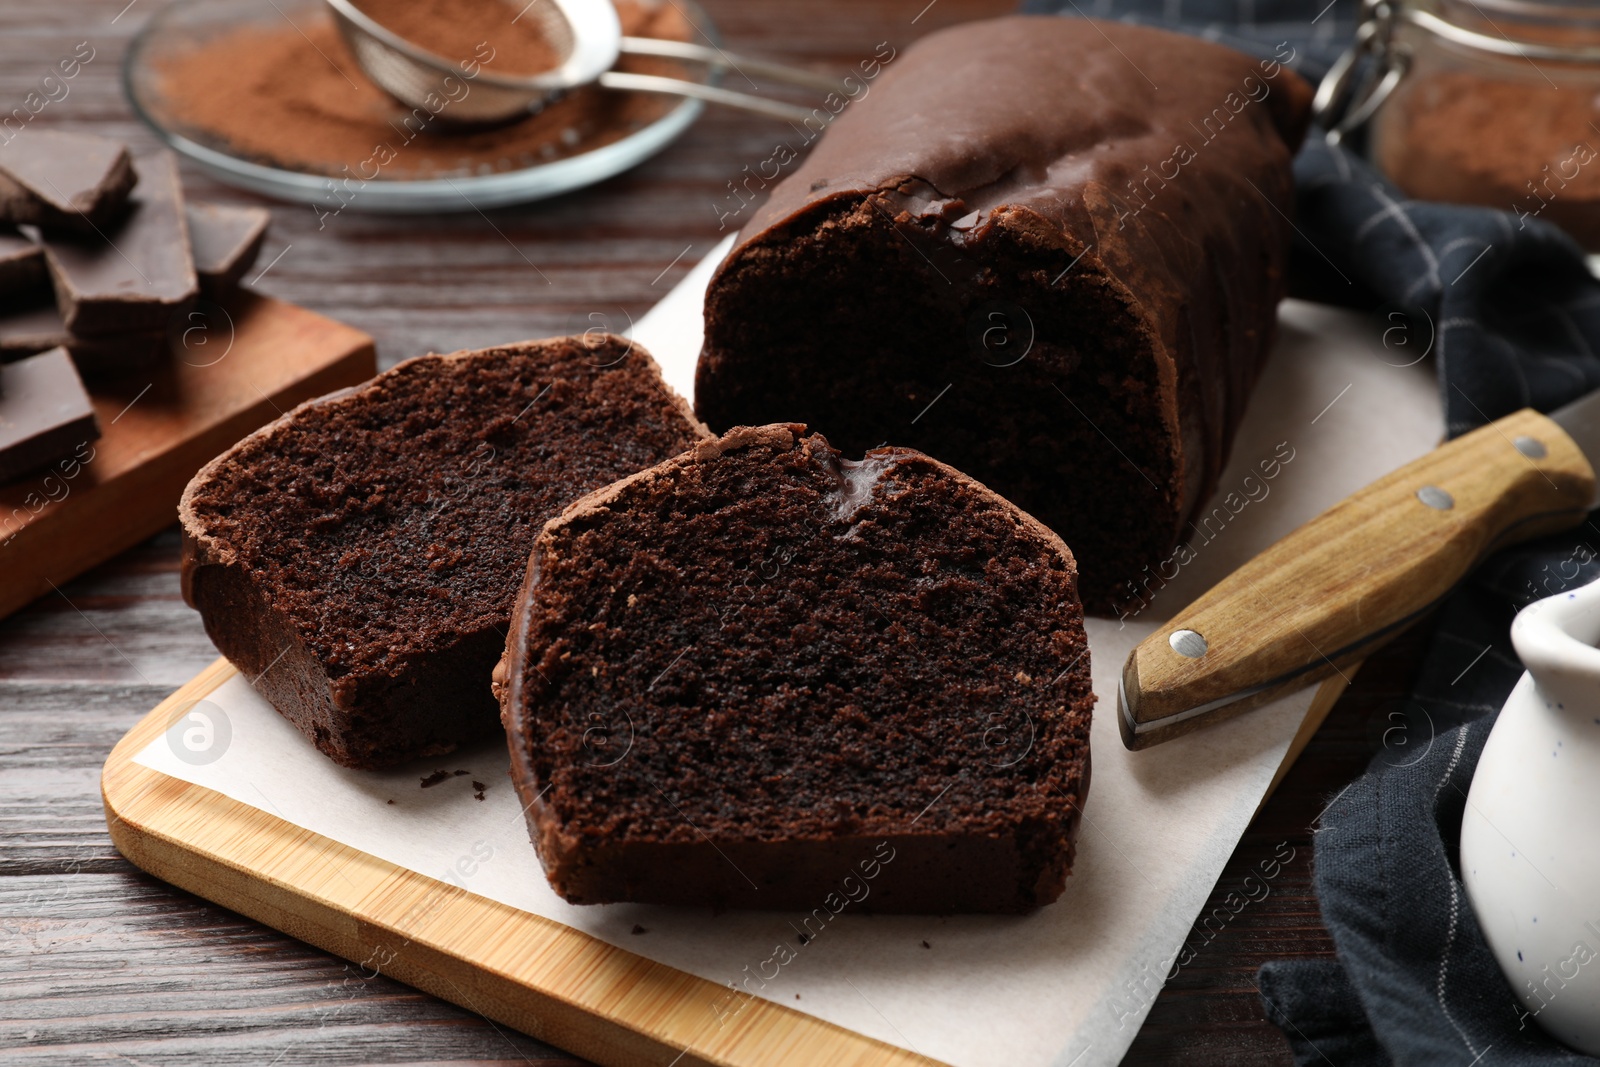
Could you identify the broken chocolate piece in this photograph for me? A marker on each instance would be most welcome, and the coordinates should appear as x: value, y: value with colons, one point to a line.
x: 99, y: 358
x: 140, y: 273
x: 30, y: 330
x: 226, y: 241
x: 22, y: 273
x: 64, y: 181
x: 44, y: 413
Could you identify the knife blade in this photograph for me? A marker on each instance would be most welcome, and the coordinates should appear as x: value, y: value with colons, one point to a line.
x: 1329, y: 593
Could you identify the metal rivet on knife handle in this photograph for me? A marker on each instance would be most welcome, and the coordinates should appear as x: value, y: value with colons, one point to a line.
x: 1531, y: 447
x: 1436, y: 498
x: 1187, y: 643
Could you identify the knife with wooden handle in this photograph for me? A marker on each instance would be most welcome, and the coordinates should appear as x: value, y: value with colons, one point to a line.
x: 1330, y: 592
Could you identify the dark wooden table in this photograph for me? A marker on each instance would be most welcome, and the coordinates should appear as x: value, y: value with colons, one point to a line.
x: 102, y: 963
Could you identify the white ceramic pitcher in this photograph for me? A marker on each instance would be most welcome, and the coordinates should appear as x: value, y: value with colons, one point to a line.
x: 1530, y: 836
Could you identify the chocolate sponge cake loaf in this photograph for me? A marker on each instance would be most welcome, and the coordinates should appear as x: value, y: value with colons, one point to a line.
x: 760, y: 675
x: 357, y: 559
x: 1044, y: 250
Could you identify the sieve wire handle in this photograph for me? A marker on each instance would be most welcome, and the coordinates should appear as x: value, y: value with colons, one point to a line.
x: 724, y: 60
x: 651, y: 83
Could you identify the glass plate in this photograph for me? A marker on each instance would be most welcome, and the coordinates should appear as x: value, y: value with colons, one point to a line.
x: 188, y: 22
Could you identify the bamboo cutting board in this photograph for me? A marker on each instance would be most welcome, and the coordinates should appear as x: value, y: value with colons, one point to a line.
x: 556, y: 983
x: 545, y: 979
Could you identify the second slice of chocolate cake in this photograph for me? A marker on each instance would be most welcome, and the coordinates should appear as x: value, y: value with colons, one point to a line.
x: 760, y: 675
x: 357, y: 559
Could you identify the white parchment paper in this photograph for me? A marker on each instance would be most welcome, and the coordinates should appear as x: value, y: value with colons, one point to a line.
x: 1068, y: 985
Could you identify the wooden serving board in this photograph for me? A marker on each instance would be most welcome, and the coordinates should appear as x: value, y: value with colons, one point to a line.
x: 538, y: 976
x: 253, y: 362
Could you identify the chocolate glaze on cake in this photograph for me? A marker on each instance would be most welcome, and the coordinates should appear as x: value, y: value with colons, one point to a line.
x: 761, y: 675
x: 357, y: 559
x: 1045, y: 250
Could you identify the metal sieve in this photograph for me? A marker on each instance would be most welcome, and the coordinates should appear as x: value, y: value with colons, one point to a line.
x: 586, y: 35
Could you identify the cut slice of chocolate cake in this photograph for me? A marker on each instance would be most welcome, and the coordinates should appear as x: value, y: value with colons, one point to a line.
x: 761, y: 675
x: 1021, y: 254
x: 357, y: 559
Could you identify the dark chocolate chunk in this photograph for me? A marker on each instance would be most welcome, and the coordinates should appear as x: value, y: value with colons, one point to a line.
x: 44, y: 412
x: 22, y: 271
x: 226, y: 241
x: 31, y: 329
x: 135, y: 277
x: 64, y: 181
x: 115, y: 354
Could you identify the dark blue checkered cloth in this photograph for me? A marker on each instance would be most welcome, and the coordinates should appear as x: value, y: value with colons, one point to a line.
x: 1514, y: 318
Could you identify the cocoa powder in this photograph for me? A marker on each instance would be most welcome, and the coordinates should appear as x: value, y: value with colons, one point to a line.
x: 454, y: 29
x: 301, y: 102
x: 1529, y: 148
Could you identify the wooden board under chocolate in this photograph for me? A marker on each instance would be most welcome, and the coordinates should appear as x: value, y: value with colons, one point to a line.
x: 132, y: 277
x: 159, y: 429
x: 63, y: 181
x: 45, y: 413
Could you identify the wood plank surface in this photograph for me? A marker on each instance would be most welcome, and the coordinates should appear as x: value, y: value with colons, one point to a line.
x: 103, y: 964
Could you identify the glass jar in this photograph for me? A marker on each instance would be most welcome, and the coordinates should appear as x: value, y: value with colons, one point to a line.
x: 1491, y: 102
